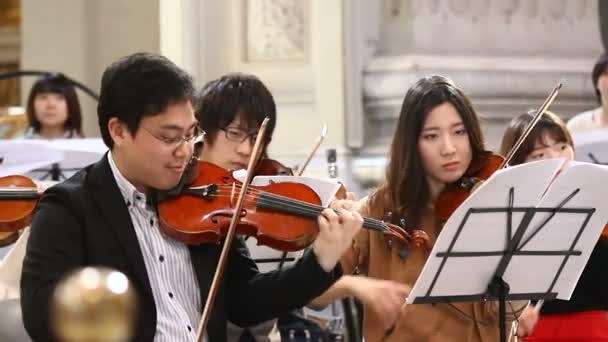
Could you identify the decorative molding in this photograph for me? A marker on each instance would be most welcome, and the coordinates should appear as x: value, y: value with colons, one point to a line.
x: 10, y: 45
x: 477, y: 27
x: 498, y: 87
x: 277, y: 30
x: 531, y: 9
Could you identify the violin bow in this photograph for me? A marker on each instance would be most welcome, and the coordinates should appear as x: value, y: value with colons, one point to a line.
x: 219, y: 271
x: 314, y: 150
x: 535, y: 119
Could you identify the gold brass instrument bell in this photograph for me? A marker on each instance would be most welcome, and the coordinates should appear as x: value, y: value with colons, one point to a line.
x: 94, y: 304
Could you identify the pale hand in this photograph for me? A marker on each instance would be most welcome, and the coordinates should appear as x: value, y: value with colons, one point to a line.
x: 337, y: 228
x: 527, y: 321
x: 385, y: 297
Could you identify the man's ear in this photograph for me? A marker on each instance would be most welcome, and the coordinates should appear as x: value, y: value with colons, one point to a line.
x: 119, y: 132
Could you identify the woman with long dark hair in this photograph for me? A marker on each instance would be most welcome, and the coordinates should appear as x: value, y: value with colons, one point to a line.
x: 438, y: 136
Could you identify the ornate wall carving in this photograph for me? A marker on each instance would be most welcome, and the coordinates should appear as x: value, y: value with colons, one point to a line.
x: 474, y: 27
x: 277, y: 30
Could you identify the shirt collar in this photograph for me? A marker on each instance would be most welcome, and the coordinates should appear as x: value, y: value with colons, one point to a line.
x: 130, y: 194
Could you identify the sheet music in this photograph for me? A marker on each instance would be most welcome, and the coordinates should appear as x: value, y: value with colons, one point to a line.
x: 486, y: 232
x: 586, y: 182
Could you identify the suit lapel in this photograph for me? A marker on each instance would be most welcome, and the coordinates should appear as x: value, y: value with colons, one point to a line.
x: 112, y: 206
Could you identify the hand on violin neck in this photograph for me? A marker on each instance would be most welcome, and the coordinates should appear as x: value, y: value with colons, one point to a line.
x: 337, y: 228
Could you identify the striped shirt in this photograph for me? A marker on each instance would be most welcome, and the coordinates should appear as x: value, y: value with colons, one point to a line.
x: 170, y: 271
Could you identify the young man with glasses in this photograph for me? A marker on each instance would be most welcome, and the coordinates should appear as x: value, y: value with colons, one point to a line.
x: 104, y: 216
x: 230, y: 110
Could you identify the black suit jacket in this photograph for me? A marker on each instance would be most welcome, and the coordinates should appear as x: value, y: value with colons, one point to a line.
x: 84, y: 221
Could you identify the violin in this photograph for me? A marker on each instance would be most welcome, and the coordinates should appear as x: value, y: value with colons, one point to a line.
x: 282, y: 216
x: 18, y: 197
x: 271, y: 167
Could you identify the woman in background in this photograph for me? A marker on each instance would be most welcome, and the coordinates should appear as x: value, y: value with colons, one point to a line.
x: 585, y: 316
x: 437, y: 137
x: 53, y: 110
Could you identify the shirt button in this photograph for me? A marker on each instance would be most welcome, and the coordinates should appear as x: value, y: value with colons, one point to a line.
x: 170, y: 294
x: 189, y: 328
x: 152, y: 222
x: 161, y: 258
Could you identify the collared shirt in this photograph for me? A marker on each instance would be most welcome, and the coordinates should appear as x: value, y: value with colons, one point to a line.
x: 169, y: 267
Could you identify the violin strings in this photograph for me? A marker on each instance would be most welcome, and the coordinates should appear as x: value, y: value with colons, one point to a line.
x: 303, y: 207
x: 308, y: 208
x: 300, y: 206
x: 18, y: 193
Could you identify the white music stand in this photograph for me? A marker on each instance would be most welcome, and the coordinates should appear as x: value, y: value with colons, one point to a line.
x: 76, y: 154
x: 21, y: 156
x: 528, y: 231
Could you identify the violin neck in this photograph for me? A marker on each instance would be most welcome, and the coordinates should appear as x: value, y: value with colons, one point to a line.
x: 304, y: 209
x: 17, y: 193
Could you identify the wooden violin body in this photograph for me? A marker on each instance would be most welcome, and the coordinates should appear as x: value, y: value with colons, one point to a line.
x: 271, y: 167
x: 210, y: 199
x: 282, y: 216
x: 18, y: 198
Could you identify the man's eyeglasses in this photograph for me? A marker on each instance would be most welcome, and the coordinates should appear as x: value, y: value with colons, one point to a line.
x: 238, y: 135
x: 177, y: 141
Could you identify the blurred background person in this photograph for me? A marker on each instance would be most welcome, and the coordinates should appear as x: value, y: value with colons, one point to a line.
x: 53, y: 110
x: 598, y: 117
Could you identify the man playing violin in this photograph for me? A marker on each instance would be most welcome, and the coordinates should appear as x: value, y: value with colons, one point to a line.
x: 104, y: 216
x: 230, y: 110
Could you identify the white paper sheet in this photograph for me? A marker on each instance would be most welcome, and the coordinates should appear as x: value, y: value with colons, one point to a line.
x: 485, y: 232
